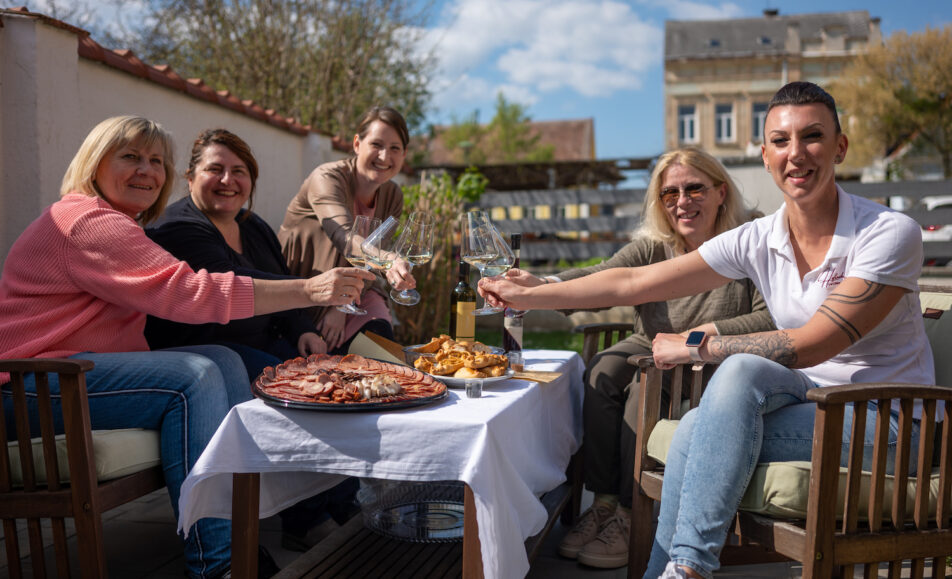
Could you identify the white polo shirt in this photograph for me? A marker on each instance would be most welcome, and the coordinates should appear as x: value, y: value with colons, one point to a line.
x: 871, y: 242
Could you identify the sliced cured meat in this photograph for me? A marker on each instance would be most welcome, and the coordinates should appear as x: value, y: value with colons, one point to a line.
x: 351, y: 379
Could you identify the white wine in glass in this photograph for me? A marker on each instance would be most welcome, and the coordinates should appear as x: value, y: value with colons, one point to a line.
x: 416, y: 246
x: 479, y: 248
x: 378, y: 247
x: 359, y: 230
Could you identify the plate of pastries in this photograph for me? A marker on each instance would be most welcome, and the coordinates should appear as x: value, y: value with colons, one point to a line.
x: 453, y: 362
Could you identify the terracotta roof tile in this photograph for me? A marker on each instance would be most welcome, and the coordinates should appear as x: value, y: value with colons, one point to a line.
x: 126, y: 61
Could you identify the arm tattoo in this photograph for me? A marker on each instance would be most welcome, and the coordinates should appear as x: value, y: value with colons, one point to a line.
x: 776, y: 346
x: 839, y: 321
x: 868, y: 294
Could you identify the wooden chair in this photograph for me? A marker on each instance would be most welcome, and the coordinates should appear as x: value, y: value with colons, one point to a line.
x: 42, y: 494
x: 830, y: 539
x: 599, y: 336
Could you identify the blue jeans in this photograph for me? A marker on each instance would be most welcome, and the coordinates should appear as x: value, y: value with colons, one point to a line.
x: 753, y: 410
x: 184, y: 393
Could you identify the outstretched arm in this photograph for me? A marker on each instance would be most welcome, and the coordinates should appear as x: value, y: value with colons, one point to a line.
x: 674, y: 278
x: 332, y: 288
x: 849, y: 313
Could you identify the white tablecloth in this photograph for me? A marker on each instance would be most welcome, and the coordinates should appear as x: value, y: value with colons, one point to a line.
x: 509, y: 446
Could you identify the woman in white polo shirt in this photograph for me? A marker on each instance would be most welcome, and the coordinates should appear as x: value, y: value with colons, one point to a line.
x: 840, y: 278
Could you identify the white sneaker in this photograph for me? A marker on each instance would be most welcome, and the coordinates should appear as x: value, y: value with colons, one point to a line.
x: 585, y: 530
x: 672, y: 571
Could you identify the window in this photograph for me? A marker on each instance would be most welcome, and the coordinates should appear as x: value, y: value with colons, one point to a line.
x: 687, y: 124
x: 724, y: 122
x: 758, y: 116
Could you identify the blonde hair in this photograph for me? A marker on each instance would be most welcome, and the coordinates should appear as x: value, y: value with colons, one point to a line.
x: 654, y: 219
x: 109, y: 135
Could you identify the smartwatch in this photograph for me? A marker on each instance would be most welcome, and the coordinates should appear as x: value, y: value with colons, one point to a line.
x: 694, y: 342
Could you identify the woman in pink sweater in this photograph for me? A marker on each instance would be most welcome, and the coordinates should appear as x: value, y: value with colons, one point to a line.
x: 81, y: 278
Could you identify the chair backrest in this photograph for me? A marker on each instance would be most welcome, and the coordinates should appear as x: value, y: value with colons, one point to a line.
x: 35, y: 493
x: 599, y: 336
x: 53, y: 500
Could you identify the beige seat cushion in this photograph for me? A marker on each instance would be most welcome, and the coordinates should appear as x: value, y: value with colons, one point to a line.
x: 779, y: 489
x: 117, y: 453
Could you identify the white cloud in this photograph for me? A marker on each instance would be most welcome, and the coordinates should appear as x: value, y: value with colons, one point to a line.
x: 592, y: 48
x: 688, y: 10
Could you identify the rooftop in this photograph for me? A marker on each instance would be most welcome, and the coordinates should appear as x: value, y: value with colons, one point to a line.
x: 764, y: 36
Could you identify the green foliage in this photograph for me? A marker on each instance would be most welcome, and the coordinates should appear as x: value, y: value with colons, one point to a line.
x: 507, y: 138
x: 564, y: 264
x: 322, y: 62
x: 897, y: 92
x: 548, y: 340
x: 445, y: 200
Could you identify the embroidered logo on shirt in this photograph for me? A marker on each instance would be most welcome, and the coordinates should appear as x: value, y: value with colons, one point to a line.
x: 830, y: 278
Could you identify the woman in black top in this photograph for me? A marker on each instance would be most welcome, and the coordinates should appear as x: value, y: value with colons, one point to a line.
x: 211, y: 229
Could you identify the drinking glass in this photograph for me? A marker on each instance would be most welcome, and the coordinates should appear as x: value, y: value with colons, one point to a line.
x: 359, y: 230
x: 484, y: 248
x: 415, y: 245
x: 379, y: 247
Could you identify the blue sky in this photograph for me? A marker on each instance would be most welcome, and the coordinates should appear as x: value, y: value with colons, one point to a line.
x: 602, y: 59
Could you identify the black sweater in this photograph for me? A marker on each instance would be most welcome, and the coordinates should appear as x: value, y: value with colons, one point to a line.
x: 185, y: 232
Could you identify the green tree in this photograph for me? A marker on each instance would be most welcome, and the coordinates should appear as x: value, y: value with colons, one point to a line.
x: 898, y: 92
x: 322, y: 62
x: 508, y: 138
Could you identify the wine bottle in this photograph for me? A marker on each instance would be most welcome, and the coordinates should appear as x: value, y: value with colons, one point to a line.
x: 462, y: 304
x: 512, y: 319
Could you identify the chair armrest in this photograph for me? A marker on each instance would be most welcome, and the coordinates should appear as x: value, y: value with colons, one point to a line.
x: 55, y: 365
x: 846, y: 393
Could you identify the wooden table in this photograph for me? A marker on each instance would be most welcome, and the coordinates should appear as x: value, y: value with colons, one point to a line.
x: 518, y: 437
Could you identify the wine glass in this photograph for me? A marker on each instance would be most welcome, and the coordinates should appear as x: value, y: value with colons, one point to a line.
x: 416, y: 246
x: 379, y: 246
x: 359, y: 230
x: 483, y: 248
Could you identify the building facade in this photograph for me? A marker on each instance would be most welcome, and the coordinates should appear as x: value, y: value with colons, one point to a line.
x: 719, y: 76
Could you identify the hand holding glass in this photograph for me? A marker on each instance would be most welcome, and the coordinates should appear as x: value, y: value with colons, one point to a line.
x: 359, y: 230
x: 416, y: 246
x: 484, y: 249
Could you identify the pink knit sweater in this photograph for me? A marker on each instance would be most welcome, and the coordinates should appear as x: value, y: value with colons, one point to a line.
x: 83, y: 276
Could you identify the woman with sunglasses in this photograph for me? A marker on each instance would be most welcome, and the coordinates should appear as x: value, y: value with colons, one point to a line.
x: 840, y: 277
x: 690, y: 199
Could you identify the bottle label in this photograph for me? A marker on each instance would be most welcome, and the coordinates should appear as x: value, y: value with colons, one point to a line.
x: 465, y: 321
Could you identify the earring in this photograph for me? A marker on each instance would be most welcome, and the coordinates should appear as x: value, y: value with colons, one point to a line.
x: 837, y: 159
x: 767, y: 167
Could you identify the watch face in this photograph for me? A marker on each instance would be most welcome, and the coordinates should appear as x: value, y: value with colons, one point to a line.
x: 695, y: 339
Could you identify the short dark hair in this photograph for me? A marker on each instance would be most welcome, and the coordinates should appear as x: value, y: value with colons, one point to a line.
x: 235, y: 144
x: 804, y: 93
x: 388, y: 116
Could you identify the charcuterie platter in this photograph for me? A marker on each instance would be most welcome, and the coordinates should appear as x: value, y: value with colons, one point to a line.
x: 345, y: 383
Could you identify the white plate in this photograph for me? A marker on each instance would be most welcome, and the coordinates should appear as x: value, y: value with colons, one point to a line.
x: 461, y: 382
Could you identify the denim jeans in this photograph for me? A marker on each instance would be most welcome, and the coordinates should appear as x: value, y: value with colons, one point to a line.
x: 184, y: 393
x: 753, y: 410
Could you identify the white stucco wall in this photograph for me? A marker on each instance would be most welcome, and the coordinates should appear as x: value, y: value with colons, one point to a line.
x: 50, y: 98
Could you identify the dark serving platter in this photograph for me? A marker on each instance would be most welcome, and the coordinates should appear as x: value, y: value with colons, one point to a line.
x: 353, y: 407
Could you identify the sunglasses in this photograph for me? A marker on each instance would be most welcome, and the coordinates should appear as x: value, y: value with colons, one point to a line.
x: 696, y: 191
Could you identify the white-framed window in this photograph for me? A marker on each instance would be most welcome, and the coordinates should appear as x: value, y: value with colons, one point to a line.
x: 757, y: 118
x: 687, y: 124
x: 724, y: 122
